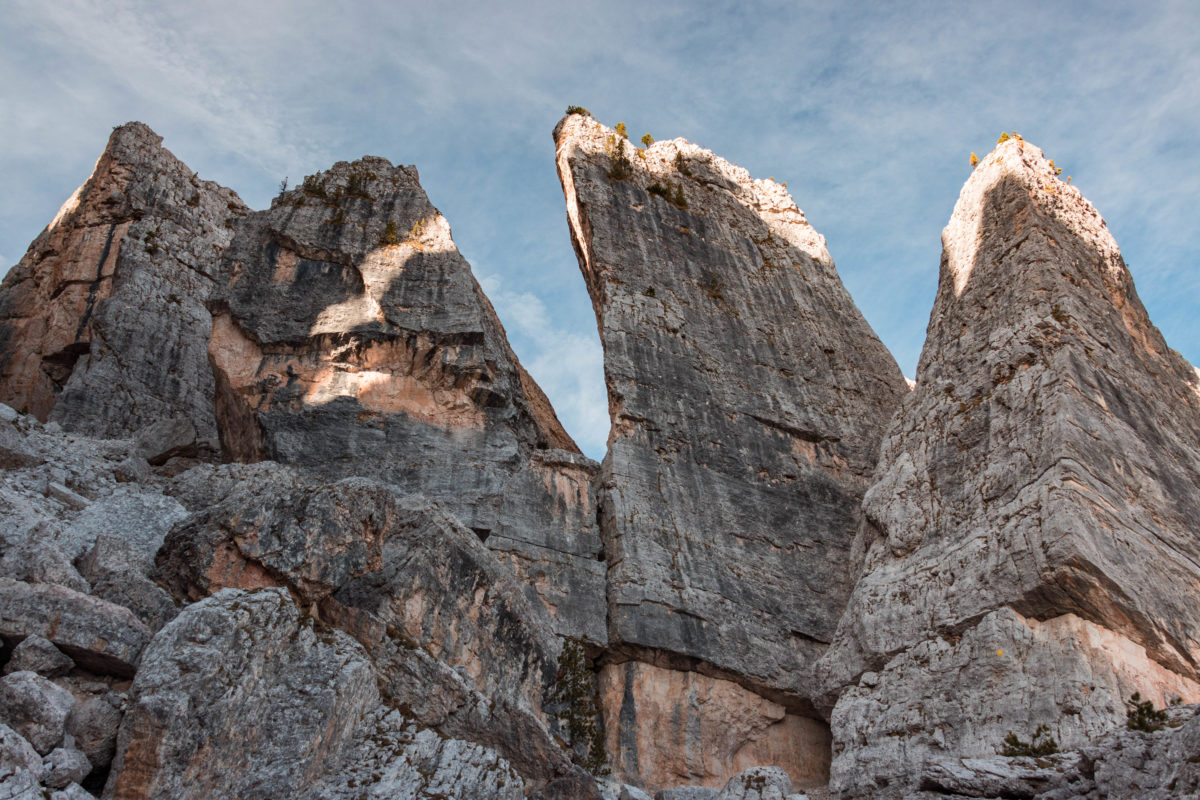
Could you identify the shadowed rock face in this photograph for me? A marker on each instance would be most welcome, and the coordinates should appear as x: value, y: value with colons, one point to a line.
x: 748, y: 396
x: 102, y: 324
x: 1048, y: 464
x: 350, y: 338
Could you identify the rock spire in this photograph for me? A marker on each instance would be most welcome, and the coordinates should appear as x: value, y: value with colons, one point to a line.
x: 1031, y: 555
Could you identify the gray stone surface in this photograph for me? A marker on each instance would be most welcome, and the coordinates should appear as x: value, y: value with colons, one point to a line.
x: 961, y: 695
x: 35, y: 708
x: 17, y: 756
x: 63, y: 766
x: 1048, y: 462
x: 748, y: 396
x: 117, y: 569
x: 34, y: 560
x: 457, y: 638
x: 758, y: 783
x: 39, y: 655
x: 93, y: 723
x: 103, y: 326
x: 1121, y: 765
x: 686, y: 793
x: 98, y: 635
x: 242, y: 695
x: 394, y: 759
x: 352, y: 339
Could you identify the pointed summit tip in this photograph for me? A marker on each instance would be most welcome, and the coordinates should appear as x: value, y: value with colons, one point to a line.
x: 1016, y: 160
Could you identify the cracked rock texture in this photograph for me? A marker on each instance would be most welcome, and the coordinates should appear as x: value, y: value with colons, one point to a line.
x: 350, y: 338
x: 103, y: 326
x: 242, y: 695
x: 458, y: 640
x: 1046, y: 468
x: 748, y: 398
x: 1121, y: 765
x: 395, y: 760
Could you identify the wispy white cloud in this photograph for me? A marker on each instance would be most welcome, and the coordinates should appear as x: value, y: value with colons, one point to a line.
x: 868, y: 110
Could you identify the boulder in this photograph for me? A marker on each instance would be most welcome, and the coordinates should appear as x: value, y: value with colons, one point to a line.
x: 93, y: 724
x: 35, y: 709
x: 63, y: 766
x: 396, y: 759
x: 242, y: 695
x: 758, y: 783
x: 39, y: 655
x: 99, y: 636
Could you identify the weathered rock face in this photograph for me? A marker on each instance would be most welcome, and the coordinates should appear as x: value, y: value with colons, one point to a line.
x: 240, y: 696
x: 113, y: 290
x: 1122, y: 765
x: 351, y: 339
x: 96, y: 634
x: 395, y: 760
x: 671, y: 727
x: 1048, y: 462
x: 457, y: 640
x: 748, y: 396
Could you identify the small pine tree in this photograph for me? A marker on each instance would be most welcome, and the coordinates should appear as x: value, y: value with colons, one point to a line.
x: 1004, y: 137
x: 1057, y: 170
x: 578, y: 110
x: 647, y: 139
x: 681, y: 165
x: 974, y: 159
x: 283, y: 185
x: 621, y: 168
x: 679, y: 200
x: 1040, y: 744
x: 1143, y: 716
x: 620, y: 129
x: 390, y: 234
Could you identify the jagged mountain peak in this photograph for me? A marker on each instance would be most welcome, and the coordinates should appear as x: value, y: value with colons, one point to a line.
x: 677, y: 162
x: 1016, y: 160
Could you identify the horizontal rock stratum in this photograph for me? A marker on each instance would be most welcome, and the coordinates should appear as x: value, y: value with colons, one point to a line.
x: 282, y: 514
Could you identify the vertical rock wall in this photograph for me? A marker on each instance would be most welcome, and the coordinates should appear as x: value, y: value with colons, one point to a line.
x: 1031, y: 556
x: 748, y: 397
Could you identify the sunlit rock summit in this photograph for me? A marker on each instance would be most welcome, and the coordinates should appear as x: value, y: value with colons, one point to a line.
x: 282, y: 515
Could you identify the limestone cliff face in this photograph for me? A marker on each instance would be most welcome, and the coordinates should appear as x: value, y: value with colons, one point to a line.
x: 748, y: 397
x: 102, y: 324
x: 350, y: 338
x: 1031, y: 555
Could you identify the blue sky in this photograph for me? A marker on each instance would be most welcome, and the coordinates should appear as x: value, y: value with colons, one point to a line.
x: 868, y: 110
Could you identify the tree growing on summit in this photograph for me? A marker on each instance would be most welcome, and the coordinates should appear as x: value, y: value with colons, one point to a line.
x: 578, y: 110
x: 390, y: 234
x: 620, y: 129
x: 647, y: 139
x: 974, y: 159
